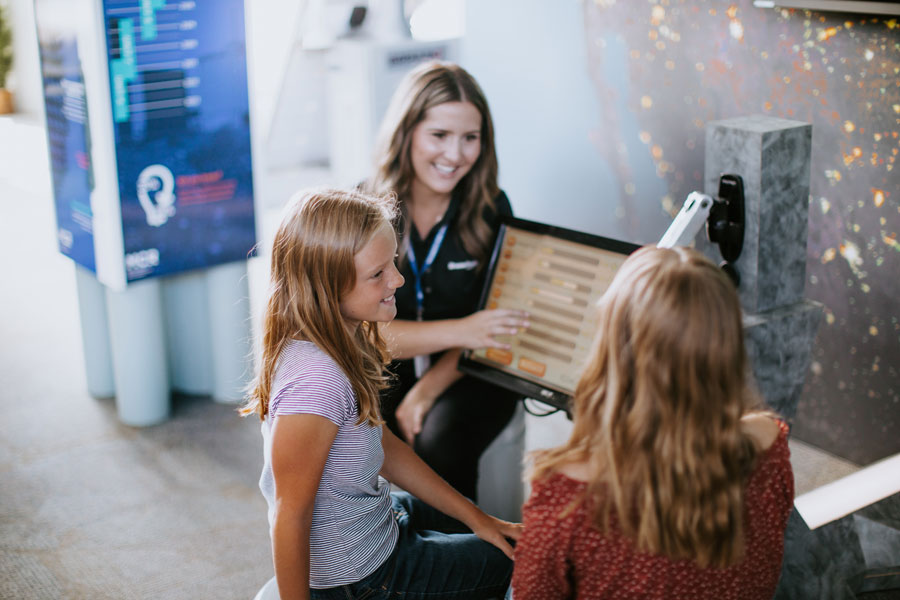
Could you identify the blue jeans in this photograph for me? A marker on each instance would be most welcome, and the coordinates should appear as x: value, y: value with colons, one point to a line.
x: 436, y: 558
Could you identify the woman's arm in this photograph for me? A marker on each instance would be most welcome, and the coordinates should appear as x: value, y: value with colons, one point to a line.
x: 403, y: 467
x: 300, y: 446
x: 421, y: 397
x: 406, y: 339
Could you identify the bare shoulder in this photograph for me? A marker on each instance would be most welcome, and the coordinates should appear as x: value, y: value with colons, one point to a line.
x: 574, y: 470
x: 762, y: 428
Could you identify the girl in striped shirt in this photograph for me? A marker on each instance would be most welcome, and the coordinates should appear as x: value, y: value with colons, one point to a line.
x: 337, y: 530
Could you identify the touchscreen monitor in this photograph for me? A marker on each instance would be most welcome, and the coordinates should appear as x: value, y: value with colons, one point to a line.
x: 557, y: 275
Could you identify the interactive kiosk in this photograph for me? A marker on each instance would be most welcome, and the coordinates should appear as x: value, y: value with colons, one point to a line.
x: 557, y: 275
x: 148, y: 130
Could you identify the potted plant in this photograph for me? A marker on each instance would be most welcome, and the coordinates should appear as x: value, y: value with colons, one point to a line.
x: 6, y: 59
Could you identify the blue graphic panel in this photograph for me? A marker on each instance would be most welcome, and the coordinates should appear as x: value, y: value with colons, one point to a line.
x: 67, y: 138
x: 178, y: 85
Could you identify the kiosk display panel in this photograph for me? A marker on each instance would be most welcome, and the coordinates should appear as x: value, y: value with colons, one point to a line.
x: 180, y: 108
x: 68, y: 134
x: 148, y: 127
x: 557, y: 275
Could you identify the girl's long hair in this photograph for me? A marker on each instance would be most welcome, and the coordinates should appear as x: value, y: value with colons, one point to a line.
x: 312, y: 270
x: 428, y: 85
x: 657, y: 411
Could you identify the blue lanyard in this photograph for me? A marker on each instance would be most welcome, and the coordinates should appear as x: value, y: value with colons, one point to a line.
x: 417, y: 273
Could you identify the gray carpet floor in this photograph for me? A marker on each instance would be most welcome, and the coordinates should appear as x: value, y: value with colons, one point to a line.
x: 91, y: 508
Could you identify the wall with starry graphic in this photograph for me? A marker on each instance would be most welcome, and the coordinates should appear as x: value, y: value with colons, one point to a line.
x: 659, y: 71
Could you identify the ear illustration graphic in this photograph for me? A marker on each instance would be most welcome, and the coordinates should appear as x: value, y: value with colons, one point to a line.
x: 157, y: 180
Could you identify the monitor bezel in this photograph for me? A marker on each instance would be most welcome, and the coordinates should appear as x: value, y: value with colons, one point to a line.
x: 527, y: 388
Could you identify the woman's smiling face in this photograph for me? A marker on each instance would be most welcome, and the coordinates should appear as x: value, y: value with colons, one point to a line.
x: 445, y: 145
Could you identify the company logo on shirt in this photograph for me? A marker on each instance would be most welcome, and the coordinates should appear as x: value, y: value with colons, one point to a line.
x: 462, y: 265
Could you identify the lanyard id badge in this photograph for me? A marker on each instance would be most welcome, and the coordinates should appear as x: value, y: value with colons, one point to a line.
x: 422, y: 362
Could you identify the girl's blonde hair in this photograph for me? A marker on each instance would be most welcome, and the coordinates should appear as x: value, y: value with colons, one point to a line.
x: 312, y: 270
x: 657, y: 411
x: 428, y: 85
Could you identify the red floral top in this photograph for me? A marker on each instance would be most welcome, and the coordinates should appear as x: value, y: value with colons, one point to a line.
x: 569, y: 558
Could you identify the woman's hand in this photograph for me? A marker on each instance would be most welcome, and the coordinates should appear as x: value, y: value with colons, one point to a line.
x: 411, y: 412
x: 422, y: 396
x: 406, y: 339
x: 478, y: 329
x: 498, y: 532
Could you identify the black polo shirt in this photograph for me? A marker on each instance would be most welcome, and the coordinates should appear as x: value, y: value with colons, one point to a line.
x: 452, y: 284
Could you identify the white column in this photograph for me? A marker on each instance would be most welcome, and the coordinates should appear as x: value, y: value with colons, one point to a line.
x: 94, y: 334
x: 188, y: 332
x: 137, y: 337
x: 501, y: 491
x: 230, y: 332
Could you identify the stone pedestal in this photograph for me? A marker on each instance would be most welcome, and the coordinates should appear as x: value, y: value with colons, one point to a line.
x: 853, y: 557
x: 772, y: 157
x: 779, y: 345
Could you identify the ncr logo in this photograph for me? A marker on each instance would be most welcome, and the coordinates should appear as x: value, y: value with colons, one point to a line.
x: 142, y: 260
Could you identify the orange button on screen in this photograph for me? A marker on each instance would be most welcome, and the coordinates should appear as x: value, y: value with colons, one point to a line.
x: 504, y: 357
x: 532, y: 366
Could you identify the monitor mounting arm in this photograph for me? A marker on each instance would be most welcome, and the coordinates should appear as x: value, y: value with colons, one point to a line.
x: 723, y: 217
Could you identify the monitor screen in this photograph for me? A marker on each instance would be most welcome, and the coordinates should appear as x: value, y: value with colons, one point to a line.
x: 557, y: 275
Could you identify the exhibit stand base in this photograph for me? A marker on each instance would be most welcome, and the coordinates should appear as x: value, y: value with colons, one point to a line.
x: 779, y: 345
x: 188, y: 333
x: 500, y: 488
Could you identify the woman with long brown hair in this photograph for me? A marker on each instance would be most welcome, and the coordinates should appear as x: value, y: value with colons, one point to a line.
x: 436, y: 153
x: 673, y: 483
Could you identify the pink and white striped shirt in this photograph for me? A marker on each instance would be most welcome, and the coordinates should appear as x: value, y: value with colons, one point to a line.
x: 353, y: 531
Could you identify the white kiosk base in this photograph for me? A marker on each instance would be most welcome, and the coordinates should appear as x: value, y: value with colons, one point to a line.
x: 189, y: 333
